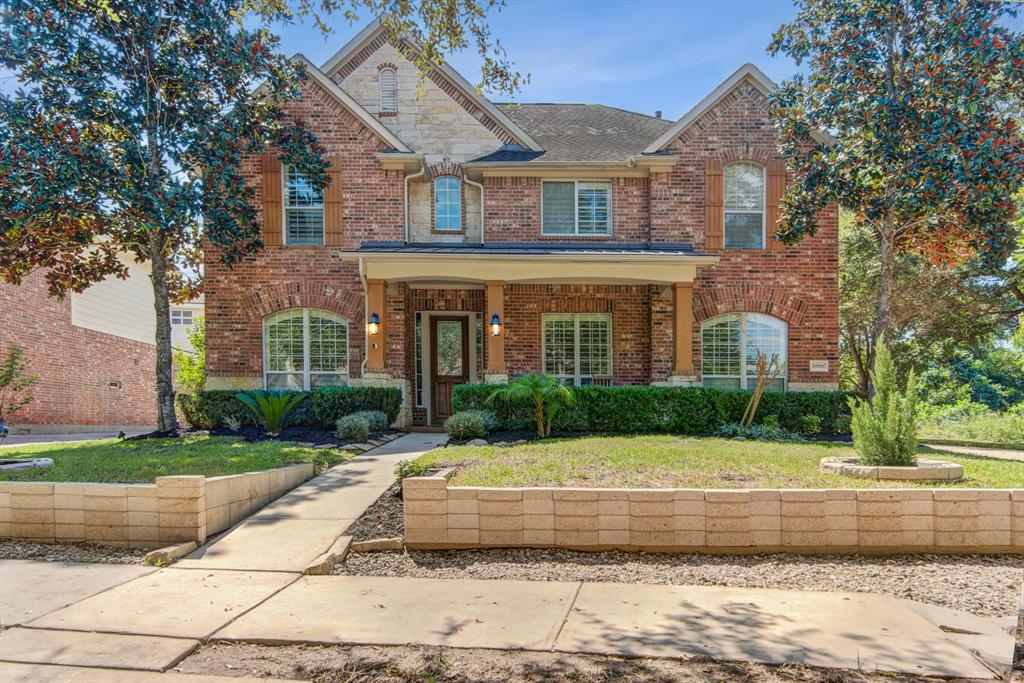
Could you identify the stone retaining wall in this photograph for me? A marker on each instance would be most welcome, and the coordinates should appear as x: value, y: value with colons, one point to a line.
x: 441, y: 516
x: 172, y: 510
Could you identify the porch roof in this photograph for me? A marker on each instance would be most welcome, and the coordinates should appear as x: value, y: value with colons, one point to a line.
x: 529, y: 262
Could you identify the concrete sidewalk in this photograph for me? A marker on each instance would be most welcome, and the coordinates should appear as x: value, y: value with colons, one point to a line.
x: 298, y: 527
x: 979, y: 451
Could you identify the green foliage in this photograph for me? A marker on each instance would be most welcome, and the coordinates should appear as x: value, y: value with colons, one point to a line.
x: 470, y: 424
x: 14, y: 384
x: 208, y: 409
x: 354, y: 427
x: 378, y: 420
x: 192, y: 366
x: 275, y: 410
x: 973, y: 422
x: 843, y: 423
x: 884, y: 426
x: 810, y: 424
x: 410, y: 468
x: 330, y: 403
x: 770, y: 421
x: 546, y: 394
x: 762, y: 432
x: 651, y: 410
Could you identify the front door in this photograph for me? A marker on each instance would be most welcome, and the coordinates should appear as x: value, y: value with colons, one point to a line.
x: 449, y: 339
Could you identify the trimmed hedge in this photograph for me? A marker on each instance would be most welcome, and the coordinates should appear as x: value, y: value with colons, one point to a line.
x: 322, y: 407
x: 675, y: 410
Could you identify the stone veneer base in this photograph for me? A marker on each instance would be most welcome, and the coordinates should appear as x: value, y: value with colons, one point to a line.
x: 438, y: 515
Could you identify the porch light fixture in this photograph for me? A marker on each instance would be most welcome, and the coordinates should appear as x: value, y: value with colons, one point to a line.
x: 374, y: 324
x: 495, y: 325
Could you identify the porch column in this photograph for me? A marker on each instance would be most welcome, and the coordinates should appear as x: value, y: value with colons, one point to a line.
x: 496, y: 372
x: 377, y: 302
x: 682, y: 368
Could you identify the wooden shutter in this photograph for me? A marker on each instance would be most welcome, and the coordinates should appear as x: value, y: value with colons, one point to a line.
x: 272, y: 211
x: 714, y: 189
x: 333, y: 236
x: 775, y: 190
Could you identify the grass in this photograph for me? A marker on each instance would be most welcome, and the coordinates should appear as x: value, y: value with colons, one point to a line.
x: 989, y: 428
x: 142, y: 461
x: 684, y: 462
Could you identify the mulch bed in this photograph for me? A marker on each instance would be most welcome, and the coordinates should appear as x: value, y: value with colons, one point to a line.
x: 383, y: 519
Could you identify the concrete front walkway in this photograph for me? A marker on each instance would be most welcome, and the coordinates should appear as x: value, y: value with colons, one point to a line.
x: 298, y: 527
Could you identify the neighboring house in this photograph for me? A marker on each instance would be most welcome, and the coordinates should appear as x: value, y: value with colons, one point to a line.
x: 94, y: 352
x: 606, y: 246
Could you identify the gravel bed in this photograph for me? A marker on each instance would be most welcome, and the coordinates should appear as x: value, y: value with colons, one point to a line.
x: 69, y: 552
x: 985, y: 585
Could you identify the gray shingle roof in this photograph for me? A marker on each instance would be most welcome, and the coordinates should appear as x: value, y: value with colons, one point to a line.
x: 585, y: 132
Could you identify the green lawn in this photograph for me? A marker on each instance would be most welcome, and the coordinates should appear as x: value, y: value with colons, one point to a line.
x: 683, y: 462
x: 141, y: 461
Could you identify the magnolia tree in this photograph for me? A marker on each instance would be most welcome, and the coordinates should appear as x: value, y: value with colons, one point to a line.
x: 918, y: 96
x: 126, y: 132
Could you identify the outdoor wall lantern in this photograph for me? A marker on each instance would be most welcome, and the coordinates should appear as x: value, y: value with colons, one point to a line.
x: 374, y: 324
x: 495, y: 325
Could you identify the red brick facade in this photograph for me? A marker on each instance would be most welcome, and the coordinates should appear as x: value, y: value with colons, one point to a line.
x: 85, y: 377
x: 798, y: 284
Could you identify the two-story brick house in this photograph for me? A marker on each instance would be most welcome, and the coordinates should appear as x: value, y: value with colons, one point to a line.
x: 461, y: 241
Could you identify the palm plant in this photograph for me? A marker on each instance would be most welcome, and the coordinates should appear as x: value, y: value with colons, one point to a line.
x: 272, y: 409
x: 547, y: 394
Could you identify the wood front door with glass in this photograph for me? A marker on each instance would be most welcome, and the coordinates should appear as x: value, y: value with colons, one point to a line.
x: 449, y: 340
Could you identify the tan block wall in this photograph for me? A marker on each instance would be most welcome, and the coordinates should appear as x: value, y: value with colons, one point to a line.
x: 171, y: 510
x: 687, y: 520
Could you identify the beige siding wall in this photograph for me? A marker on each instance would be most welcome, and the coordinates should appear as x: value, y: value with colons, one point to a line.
x: 123, y: 308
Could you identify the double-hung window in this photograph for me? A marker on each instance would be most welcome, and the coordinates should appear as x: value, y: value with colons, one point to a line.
x: 730, y: 345
x: 744, y: 206
x: 181, y: 316
x: 305, y: 349
x: 303, y: 210
x: 576, y: 207
x: 578, y: 346
x: 447, y: 204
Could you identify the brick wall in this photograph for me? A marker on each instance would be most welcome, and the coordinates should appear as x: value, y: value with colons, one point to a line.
x: 85, y: 377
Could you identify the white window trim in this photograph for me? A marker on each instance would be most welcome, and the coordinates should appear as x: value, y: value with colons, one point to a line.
x: 462, y: 199
x: 576, y: 208
x: 380, y: 81
x: 576, y: 318
x: 779, y: 324
x: 305, y: 350
x: 284, y: 213
x: 763, y: 211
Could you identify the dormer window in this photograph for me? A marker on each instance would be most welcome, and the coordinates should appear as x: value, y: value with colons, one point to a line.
x: 388, y: 90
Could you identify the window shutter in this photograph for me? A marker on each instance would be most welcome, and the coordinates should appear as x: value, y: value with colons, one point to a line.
x: 714, y: 217
x: 272, y: 212
x: 333, y: 236
x: 776, y: 188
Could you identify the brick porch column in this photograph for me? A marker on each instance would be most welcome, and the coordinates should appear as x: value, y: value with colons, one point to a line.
x: 496, y: 372
x: 682, y: 368
x: 376, y: 299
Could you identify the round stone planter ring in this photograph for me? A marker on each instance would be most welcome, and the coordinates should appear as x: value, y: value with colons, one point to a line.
x: 926, y: 470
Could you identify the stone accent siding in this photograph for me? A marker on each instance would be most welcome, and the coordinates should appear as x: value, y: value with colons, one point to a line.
x: 173, y: 510
x: 438, y: 515
x: 85, y: 377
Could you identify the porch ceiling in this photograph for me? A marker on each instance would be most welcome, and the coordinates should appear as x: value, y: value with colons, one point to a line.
x: 530, y: 263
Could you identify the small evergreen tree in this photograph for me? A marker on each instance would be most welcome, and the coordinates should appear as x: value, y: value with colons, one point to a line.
x: 884, y: 426
x: 192, y: 366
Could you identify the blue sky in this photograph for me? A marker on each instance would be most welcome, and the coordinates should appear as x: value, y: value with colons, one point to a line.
x: 642, y: 55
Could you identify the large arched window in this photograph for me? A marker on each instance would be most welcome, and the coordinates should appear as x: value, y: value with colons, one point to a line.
x: 304, y: 349
x: 447, y: 204
x: 744, y: 206
x: 729, y: 346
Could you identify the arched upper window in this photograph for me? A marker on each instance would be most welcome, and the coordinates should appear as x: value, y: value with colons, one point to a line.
x: 304, y: 349
x: 744, y: 205
x: 729, y: 346
x: 447, y: 203
x: 388, y: 90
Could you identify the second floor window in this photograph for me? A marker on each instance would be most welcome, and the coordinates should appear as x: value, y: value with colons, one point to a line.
x: 576, y: 208
x: 744, y: 206
x: 180, y: 316
x: 303, y: 210
x: 448, y: 204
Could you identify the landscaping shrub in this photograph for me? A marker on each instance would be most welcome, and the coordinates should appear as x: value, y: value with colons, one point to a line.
x: 842, y: 424
x: 354, y: 427
x: 378, y: 420
x: 673, y: 410
x: 810, y: 424
x: 470, y: 424
x: 209, y: 409
x: 275, y: 410
x: 330, y: 403
x: 770, y: 431
x: 410, y: 468
x: 547, y: 397
x: 884, y: 427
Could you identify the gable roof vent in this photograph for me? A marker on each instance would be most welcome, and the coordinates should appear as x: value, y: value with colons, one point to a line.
x: 388, y: 90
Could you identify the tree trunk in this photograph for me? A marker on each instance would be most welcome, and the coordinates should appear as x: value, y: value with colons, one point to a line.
x: 887, y: 240
x: 167, y: 421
